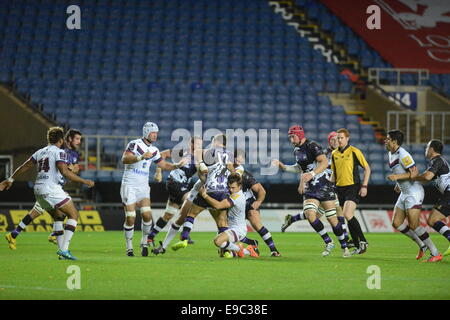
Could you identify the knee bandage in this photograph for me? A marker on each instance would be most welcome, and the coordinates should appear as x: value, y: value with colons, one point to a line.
x: 310, y: 206
x: 37, y: 207
x: 145, y: 209
x: 171, y: 210
x: 321, y: 211
x: 330, y: 212
x: 130, y: 214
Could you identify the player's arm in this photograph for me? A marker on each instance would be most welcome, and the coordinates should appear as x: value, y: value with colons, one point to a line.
x: 129, y: 157
x: 424, y: 177
x: 412, y: 172
x: 260, y: 195
x: 224, y: 204
x: 27, y: 165
x: 295, y: 168
x: 169, y: 166
x: 322, y: 164
x: 62, y: 167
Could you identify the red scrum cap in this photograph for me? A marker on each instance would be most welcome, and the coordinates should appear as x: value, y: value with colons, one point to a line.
x: 298, y: 131
x: 331, y: 135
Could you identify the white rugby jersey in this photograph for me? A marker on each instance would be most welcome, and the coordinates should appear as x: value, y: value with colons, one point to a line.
x: 46, y: 160
x: 216, y: 159
x: 236, y: 214
x: 399, y: 162
x: 136, y: 174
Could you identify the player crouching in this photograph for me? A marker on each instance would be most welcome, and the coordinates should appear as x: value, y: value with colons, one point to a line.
x: 237, y: 227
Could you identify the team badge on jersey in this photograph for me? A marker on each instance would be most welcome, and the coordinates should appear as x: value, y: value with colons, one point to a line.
x: 235, y: 196
x: 407, y: 161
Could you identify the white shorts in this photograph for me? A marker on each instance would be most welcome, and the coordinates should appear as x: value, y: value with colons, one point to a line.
x: 235, y: 234
x: 132, y: 194
x: 50, y: 197
x: 410, y: 200
x: 194, y: 191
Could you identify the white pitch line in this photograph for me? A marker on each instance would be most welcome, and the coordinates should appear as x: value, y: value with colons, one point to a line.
x: 31, y: 288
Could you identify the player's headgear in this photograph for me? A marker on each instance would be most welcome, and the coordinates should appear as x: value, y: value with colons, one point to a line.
x: 298, y: 131
x: 148, y: 128
x: 331, y: 135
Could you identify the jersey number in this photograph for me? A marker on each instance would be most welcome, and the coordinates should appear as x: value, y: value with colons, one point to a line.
x: 43, y: 165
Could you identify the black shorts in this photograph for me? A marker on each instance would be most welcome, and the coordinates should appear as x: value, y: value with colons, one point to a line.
x: 443, y: 204
x: 320, y: 192
x: 176, y: 191
x: 201, y: 202
x: 350, y: 193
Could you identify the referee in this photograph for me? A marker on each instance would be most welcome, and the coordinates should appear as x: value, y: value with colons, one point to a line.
x: 344, y: 163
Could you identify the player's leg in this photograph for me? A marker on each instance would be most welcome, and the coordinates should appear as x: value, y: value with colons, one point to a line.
x: 435, y: 221
x: 187, y: 226
x: 399, y: 222
x: 414, y: 224
x: 72, y: 219
x: 329, y: 210
x: 310, y: 207
x: 171, y: 210
x: 353, y: 224
x: 341, y: 219
x: 146, y: 223
x: 255, y: 220
x: 228, y: 241
x: 129, y: 201
x: 35, y: 212
x: 290, y: 219
x: 174, y: 227
x: 58, y: 228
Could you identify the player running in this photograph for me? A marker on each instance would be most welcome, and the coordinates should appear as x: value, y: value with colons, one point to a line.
x: 315, y: 187
x: 290, y: 219
x: 178, y: 185
x: 439, y: 174
x: 135, y: 189
x: 237, y: 227
x: 409, y: 202
x: 52, y: 168
x: 72, y: 141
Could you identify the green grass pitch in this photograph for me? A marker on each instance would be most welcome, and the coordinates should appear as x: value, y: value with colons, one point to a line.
x: 196, y: 272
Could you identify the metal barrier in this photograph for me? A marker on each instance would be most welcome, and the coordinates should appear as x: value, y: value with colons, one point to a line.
x: 420, y: 127
x: 375, y: 75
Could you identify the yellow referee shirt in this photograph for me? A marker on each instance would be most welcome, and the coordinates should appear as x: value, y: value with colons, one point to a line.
x: 344, y: 164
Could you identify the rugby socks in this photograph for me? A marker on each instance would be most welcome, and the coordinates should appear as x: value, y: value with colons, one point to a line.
x: 187, y: 227
x: 356, y: 231
x: 339, y: 232
x: 344, y: 226
x: 146, y: 227
x: 222, y: 229
x: 425, y: 237
x: 404, y: 228
x: 442, y: 229
x: 267, y: 237
x: 22, y: 225
x: 58, y: 232
x: 249, y: 241
x: 297, y: 217
x: 320, y: 229
x: 69, y: 230
x: 160, y: 224
x: 128, y: 231
x: 173, y: 230
x: 233, y: 247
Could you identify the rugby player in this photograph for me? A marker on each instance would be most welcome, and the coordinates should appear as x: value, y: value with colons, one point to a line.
x: 409, y: 202
x: 52, y: 168
x: 315, y: 187
x: 135, y: 189
x: 237, y: 227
